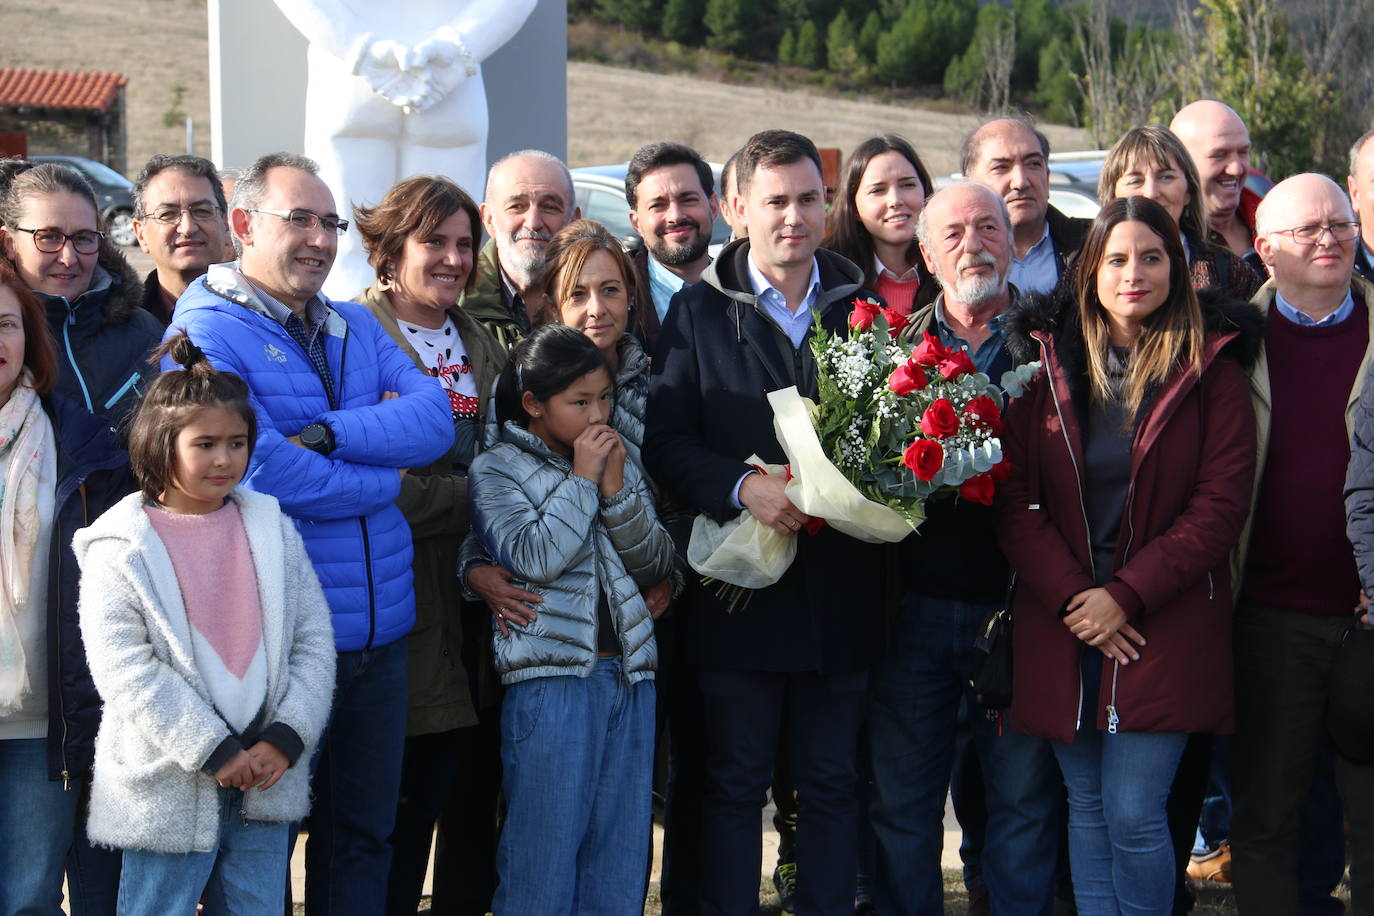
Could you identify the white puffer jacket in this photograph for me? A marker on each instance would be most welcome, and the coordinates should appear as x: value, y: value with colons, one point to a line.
x: 159, y: 725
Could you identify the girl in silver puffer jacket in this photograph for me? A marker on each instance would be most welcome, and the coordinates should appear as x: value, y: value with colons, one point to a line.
x: 556, y: 502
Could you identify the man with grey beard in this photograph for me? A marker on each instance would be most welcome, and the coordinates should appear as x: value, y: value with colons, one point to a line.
x: 952, y: 576
x: 529, y: 198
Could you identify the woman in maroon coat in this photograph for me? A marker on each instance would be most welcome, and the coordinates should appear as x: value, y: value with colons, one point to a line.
x: 1133, y: 456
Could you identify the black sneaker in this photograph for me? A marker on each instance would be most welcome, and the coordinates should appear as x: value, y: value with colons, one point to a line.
x: 785, y: 881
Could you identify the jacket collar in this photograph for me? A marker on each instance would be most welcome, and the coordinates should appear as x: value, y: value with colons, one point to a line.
x: 227, y: 282
x: 1048, y: 326
x: 728, y: 274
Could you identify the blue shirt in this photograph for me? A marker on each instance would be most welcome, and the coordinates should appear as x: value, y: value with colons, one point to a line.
x: 1038, y: 271
x: 793, y: 324
x: 774, y: 303
x: 663, y: 283
x: 987, y: 353
x: 1295, y: 315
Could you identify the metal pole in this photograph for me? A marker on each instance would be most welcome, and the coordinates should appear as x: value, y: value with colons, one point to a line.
x: 190, y: 136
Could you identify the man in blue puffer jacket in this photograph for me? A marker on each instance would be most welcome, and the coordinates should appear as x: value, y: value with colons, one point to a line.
x: 342, y: 413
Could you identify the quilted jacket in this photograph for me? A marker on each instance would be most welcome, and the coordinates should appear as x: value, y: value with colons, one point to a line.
x: 345, y: 503
x: 567, y: 544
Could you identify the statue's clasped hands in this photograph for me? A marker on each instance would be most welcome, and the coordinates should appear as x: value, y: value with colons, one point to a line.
x: 414, y: 78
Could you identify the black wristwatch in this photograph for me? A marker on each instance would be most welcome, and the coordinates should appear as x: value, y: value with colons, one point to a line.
x: 318, y: 438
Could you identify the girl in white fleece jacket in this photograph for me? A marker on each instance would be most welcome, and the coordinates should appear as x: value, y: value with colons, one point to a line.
x: 210, y: 643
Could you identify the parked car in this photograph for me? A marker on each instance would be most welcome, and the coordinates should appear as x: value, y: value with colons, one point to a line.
x: 600, y: 193
x: 114, y: 194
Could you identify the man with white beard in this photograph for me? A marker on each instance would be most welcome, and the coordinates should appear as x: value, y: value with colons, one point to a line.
x: 529, y: 197
x: 952, y: 576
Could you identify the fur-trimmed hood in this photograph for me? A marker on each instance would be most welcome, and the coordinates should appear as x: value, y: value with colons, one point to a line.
x: 1057, y: 314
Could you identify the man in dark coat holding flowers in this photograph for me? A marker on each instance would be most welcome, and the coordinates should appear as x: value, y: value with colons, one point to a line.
x: 792, y: 659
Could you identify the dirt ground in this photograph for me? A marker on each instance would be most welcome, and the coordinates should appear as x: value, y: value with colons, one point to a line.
x: 159, y: 44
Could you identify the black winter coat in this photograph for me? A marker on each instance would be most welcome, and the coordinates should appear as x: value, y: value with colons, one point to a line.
x: 104, y: 338
x: 92, y: 475
x: 717, y: 357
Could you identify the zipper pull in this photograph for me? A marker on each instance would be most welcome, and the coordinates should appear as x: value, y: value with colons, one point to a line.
x: 1112, y: 720
x: 66, y: 781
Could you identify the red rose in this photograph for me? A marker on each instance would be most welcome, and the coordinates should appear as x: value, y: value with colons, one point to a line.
x: 929, y: 352
x: 955, y: 364
x: 906, y: 378
x: 1001, y: 471
x: 978, y: 489
x: 861, y: 319
x: 925, y: 457
x: 984, y: 413
x: 896, y: 322
x: 940, y: 420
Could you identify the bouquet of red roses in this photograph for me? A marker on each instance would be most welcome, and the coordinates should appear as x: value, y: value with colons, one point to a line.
x: 893, y: 427
x: 905, y: 424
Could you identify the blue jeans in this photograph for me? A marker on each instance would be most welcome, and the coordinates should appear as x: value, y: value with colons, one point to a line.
x: 37, y: 818
x: 245, y: 872
x: 914, y: 709
x: 357, y: 785
x: 578, y: 773
x: 1119, y: 846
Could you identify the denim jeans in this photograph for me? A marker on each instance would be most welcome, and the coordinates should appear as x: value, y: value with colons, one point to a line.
x: 245, y: 872
x: 357, y: 785
x: 1119, y: 846
x: 912, y: 719
x: 37, y: 818
x: 578, y: 759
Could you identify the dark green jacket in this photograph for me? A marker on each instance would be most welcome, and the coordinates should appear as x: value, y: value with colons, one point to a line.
x: 486, y: 301
x: 435, y: 503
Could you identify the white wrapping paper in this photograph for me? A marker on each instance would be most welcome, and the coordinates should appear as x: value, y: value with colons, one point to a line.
x: 745, y: 552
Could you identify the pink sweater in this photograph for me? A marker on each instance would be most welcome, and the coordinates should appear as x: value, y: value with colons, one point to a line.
x: 219, y: 587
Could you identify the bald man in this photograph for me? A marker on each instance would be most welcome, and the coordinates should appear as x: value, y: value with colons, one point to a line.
x: 1298, y: 586
x: 1219, y: 143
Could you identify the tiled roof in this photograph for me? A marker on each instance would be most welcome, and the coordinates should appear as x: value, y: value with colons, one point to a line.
x: 59, y: 88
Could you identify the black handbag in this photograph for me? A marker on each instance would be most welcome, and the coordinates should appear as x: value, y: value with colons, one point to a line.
x: 991, y: 680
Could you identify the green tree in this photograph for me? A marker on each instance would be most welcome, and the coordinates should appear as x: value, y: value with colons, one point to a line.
x: 917, y: 48
x: 981, y: 75
x: 900, y: 48
x: 841, y: 43
x: 787, y: 49
x: 637, y: 15
x: 1057, y: 90
x: 682, y: 21
x: 1256, y: 71
x: 869, y: 35
x: 730, y: 23
x: 810, y: 53
x: 1038, y: 22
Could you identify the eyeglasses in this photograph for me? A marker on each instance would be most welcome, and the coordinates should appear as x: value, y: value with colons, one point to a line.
x: 51, y: 241
x: 307, y: 219
x: 171, y: 216
x: 1309, y: 235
